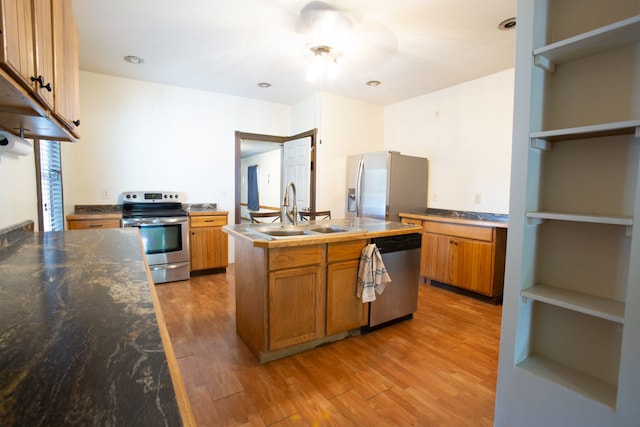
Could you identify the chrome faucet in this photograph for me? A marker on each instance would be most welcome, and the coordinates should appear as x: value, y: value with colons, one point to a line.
x: 292, y: 214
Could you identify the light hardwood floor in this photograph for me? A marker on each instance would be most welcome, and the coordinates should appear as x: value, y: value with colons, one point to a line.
x: 437, y: 369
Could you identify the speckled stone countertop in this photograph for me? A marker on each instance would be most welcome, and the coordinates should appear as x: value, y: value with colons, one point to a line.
x: 461, y: 217
x: 359, y: 228
x: 115, y: 211
x: 79, y: 338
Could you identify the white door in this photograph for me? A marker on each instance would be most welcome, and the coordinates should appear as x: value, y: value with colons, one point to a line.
x: 296, y: 161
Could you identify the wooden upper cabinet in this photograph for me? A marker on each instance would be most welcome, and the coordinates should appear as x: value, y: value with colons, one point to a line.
x: 66, y: 69
x: 42, y: 78
x: 28, y: 54
x: 39, y: 69
x: 18, y: 56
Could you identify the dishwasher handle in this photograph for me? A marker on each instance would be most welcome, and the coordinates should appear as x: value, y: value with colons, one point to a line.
x: 403, y: 242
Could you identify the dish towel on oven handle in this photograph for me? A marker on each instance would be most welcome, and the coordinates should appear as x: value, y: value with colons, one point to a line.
x: 372, y: 275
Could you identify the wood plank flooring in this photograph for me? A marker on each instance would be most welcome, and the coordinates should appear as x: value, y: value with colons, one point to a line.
x: 437, y: 369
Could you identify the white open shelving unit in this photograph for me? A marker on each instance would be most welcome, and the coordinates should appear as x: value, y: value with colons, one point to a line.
x: 577, y: 203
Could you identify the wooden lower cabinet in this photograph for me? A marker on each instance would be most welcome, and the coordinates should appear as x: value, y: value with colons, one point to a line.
x: 345, y: 311
x: 296, y: 306
x: 208, y: 244
x: 291, y: 299
x: 465, y: 256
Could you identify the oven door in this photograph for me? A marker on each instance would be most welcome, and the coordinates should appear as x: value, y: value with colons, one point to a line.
x: 166, y: 245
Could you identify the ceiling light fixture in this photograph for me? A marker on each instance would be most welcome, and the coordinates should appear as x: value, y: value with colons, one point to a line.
x: 328, y: 33
x: 374, y: 83
x: 264, y: 85
x: 133, y: 59
x: 322, y: 64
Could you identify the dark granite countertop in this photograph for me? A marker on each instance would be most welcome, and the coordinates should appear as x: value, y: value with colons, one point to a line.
x: 115, y: 211
x: 79, y: 338
x: 478, y: 218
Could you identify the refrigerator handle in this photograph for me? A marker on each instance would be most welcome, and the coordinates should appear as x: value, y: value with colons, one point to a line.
x: 359, y: 188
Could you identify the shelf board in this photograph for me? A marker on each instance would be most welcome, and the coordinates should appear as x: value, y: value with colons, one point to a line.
x: 576, y: 301
x: 571, y: 379
x: 589, y: 43
x: 597, y: 219
x: 628, y: 127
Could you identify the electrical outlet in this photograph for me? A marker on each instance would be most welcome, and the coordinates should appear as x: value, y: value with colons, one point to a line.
x: 106, y: 194
x: 477, y: 199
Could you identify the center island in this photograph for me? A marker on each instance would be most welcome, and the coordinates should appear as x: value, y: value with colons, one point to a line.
x: 296, y: 285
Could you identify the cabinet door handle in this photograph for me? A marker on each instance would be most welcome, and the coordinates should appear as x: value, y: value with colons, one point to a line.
x: 38, y: 79
x: 95, y: 225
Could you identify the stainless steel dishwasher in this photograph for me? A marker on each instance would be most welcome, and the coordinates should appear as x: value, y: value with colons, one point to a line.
x: 401, y: 258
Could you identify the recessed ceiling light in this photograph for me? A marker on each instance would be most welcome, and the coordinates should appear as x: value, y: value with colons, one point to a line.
x: 374, y: 83
x: 133, y: 59
x: 264, y: 85
x: 507, y: 24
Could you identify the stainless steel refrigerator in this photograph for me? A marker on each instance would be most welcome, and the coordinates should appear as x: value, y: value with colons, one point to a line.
x: 381, y: 185
x: 384, y: 183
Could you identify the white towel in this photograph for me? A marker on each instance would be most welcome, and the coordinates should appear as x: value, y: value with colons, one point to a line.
x: 372, y: 275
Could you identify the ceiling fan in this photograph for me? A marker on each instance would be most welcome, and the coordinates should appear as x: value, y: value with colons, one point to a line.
x: 333, y: 34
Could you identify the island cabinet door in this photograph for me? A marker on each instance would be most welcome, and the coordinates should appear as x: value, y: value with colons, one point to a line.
x: 296, y: 306
x: 345, y: 311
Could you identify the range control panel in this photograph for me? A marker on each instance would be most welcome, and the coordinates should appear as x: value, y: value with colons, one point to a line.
x: 152, y: 197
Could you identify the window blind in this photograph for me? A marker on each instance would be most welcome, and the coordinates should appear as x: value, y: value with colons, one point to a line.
x: 50, y: 180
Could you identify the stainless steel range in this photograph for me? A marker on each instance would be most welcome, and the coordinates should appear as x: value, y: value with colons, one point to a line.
x: 164, y: 229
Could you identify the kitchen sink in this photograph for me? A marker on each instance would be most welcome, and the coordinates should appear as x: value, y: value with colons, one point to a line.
x: 283, y: 232
x: 328, y: 229
x: 300, y: 231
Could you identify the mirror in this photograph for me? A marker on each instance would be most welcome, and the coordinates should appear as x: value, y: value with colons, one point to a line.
x: 250, y: 144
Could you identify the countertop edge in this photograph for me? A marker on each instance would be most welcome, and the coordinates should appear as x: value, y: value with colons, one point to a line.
x: 118, y: 215
x: 439, y: 218
x: 186, y: 413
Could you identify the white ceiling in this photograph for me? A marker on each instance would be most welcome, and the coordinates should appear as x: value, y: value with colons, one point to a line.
x: 227, y: 46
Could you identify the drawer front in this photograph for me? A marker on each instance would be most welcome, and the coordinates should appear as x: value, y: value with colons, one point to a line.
x: 296, y: 256
x: 457, y: 230
x: 93, y: 224
x: 343, y: 251
x: 208, y: 221
x: 413, y: 221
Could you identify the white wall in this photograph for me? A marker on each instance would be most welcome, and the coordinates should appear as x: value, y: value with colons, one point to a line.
x: 465, y: 132
x: 347, y: 127
x: 18, y: 194
x: 146, y: 136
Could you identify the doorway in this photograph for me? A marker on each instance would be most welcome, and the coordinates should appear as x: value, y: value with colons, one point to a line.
x: 273, y: 140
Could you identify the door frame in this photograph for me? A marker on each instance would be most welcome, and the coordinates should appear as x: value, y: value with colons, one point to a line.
x: 239, y: 136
